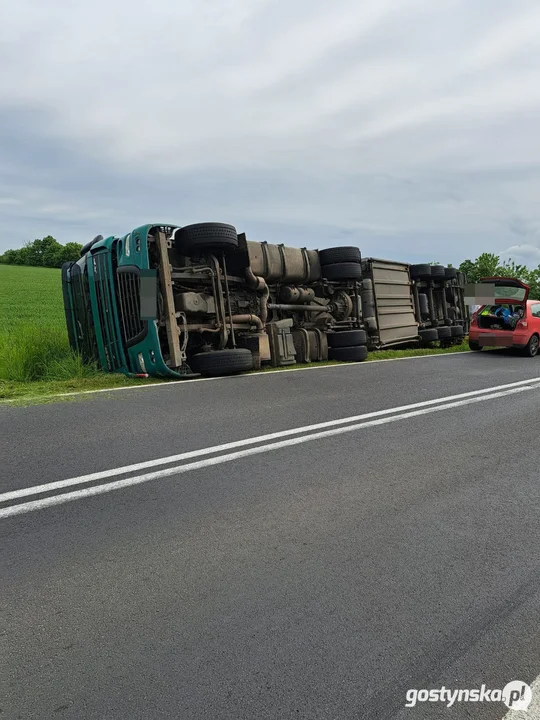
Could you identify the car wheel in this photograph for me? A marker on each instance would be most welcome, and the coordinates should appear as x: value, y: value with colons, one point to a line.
x: 342, y: 271
x: 474, y: 346
x: 222, y: 362
x: 194, y: 240
x: 356, y: 353
x: 347, y: 338
x: 531, y: 350
x: 330, y: 256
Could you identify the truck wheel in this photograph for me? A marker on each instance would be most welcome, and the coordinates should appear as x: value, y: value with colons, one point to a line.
x: 428, y: 335
x: 474, y: 346
x: 437, y: 271
x: 222, y: 362
x: 346, y: 338
x: 330, y: 256
x: 450, y: 273
x: 457, y: 331
x: 342, y: 271
x: 444, y: 332
x: 420, y: 272
x: 356, y: 353
x: 206, y: 237
x: 531, y: 349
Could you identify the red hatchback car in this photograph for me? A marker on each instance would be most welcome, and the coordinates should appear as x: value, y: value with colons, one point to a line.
x: 513, y: 321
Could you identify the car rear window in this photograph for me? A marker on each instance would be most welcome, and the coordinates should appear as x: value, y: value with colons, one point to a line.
x: 509, y: 291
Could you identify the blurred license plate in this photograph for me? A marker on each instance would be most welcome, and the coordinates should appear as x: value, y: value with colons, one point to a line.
x: 494, y: 340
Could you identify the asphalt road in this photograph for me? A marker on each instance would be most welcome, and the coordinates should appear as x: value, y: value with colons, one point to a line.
x: 320, y: 577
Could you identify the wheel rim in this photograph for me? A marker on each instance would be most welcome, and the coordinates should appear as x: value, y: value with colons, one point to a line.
x: 534, y: 345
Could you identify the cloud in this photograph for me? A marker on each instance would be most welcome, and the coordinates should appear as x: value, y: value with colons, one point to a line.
x: 409, y: 128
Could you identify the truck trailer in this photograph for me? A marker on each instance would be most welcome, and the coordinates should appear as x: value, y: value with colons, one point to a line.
x: 167, y: 300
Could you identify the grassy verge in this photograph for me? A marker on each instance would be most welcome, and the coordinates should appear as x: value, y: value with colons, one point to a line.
x: 48, y: 389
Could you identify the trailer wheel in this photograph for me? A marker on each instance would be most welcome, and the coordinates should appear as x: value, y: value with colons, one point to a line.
x: 420, y: 272
x: 450, y: 273
x: 437, y: 271
x: 342, y: 271
x: 330, y: 256
x: 206, y: 237
x: 357, y: 353
x: 222, y: 362
x: 428, y: 335
x: 346, y: 338
x: 457, y: 331
x: 444, y: 332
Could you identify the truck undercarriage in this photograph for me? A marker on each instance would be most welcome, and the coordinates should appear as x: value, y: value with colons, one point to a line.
x: 202, y: 299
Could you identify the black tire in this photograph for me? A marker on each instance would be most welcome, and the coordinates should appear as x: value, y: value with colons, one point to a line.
x: 532, y: 347
x: 357, y: 353
x: 86, y: 248
x: 450, y: 273
x: 444, y: 332
x: 457, y: 331
x: 330, y: 256
x: 437, y: 271
x: 346, y: 338
x: 222, y: 362
x: 474, y: 346
x: 428, y: 335
x: 206, y: 237
x: 342, y: 271
x: 420, y: 272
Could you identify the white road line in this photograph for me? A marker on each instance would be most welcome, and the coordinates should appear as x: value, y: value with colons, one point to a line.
x: 81, y: 480
x: 266, y: 373
x: 43, y: 503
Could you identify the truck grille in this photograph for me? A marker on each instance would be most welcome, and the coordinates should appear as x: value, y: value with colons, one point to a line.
x: 130, y: 306
x: 106, y: 311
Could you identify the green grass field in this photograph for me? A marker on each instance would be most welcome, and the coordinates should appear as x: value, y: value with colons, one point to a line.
x: 29, y: 296
x: 36, y: 361
x: 33, y: 340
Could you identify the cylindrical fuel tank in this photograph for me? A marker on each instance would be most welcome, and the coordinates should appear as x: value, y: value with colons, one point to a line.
x: 292, y: 294
x: 281, y: 264
x: 424, y: 305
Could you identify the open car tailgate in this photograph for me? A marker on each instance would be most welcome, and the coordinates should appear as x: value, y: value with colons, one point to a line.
x: 508, y: 290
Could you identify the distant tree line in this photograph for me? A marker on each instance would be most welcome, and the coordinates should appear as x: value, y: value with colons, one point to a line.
x: 46, y: 252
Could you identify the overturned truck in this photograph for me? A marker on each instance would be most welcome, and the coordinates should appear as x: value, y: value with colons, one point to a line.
x: 203, y: 300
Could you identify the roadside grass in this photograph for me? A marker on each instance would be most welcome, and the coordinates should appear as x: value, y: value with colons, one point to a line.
x: 36, y: 362
x: 35, y: 357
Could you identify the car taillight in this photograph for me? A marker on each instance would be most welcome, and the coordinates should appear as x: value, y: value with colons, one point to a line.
x: 522, y: 324
x: 474, y: 321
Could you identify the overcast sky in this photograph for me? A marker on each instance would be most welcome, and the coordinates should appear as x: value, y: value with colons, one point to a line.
x: 407, y: 127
